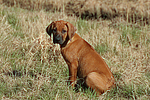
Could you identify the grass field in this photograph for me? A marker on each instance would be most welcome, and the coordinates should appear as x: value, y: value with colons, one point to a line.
x: 31, y: 66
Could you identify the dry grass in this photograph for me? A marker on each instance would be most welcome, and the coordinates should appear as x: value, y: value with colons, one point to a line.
x: 132, y: 11
x: 136, y: 11
x: 33, y: 68
x: 48, y: 5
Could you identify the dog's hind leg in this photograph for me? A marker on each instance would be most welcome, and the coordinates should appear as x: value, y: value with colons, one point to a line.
x: 98, y: 82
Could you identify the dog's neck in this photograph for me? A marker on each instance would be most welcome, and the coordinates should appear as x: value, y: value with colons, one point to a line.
x: 67, y: 41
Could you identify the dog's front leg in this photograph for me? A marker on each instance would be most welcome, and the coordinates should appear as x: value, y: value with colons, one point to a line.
x: 72, y: 73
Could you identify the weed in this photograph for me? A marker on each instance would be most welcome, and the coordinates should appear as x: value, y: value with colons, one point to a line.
x: 148, y: 41
x: 127, y: 91
x: 102, y: 48
x: 117, y: 75
x: 17, y: 87
x: 20, y: 34
x: 124, y: 37
x: 16, y: 55
x: 129, y: 34
x: 3, y: 88
x: 147, y: 74
x: 91, y: 94
x: 3, y: 12
x: 122, y: 91
x: 57, y: 88
x: 13, y: 20
x: 82, y: 24
x: 135, y: 33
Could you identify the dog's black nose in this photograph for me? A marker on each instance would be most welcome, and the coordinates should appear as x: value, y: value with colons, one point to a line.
x: 56, y: 40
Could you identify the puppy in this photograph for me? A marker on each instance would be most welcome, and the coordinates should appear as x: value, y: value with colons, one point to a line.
x: 82, y: 60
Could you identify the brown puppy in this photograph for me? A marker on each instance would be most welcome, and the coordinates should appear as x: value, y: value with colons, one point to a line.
x: 83, y: 61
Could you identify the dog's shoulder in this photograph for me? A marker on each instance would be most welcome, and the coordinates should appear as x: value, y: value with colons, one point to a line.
x: 81, y: 41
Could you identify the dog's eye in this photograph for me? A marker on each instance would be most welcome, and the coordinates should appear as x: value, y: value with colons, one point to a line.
x: 64, y: 31
x: 54, y: 30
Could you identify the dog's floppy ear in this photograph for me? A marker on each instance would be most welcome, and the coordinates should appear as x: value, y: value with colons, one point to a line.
x: 49, y: 29
x: 71, y: 30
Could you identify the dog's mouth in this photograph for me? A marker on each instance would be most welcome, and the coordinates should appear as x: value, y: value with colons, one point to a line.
x: 57, y: 40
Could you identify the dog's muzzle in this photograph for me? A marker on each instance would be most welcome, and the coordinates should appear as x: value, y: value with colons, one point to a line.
x: 57, y: 39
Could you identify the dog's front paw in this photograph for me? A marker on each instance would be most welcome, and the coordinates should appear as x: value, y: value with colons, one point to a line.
x: 71, y: 83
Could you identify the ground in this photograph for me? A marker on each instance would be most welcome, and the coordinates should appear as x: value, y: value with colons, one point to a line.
x: 32, y: 67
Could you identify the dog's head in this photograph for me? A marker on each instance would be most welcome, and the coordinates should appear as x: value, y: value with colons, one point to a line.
x: 61, y: 31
